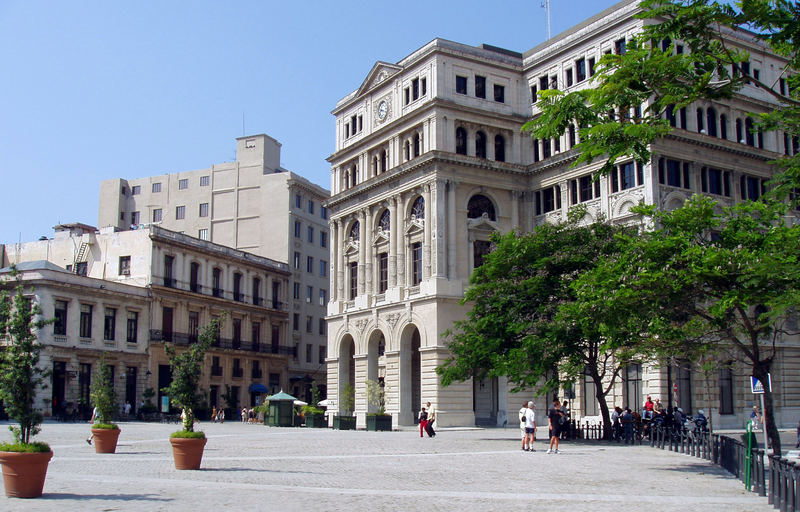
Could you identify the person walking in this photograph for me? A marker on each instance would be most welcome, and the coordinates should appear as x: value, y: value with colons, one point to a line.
x: 423, y: 421
x: 530, y: 427
x: 431, y: 419
x: 554, y: 418
x: 522, y: 412
x: 755, y: 418
x: 627, y: 425
x: 214, y: 414
x: 95, y: 415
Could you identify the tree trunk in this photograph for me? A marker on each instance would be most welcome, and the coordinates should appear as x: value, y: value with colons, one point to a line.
x: 768, y: 414
x: 601, y: 400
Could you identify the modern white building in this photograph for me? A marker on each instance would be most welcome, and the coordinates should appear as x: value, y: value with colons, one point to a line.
x: 429, y: 160
x: 251, y: 204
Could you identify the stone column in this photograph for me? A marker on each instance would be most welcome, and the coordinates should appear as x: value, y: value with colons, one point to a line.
x: 427, y: 239
x: 451, y: 229
x: 395, y: 227
x: 515, y: 209
x: 401, y: 243
x: 362, y: 237
x: 437, y: 218
x: 368, y: 249
x: 340, y: 245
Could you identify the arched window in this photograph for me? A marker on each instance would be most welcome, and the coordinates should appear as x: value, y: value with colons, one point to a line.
x: 571, y: 135
x: 418, y: 208
x: 478, y: 205
x: 748, y: 132
x: 417, y: 145
x: 700, y: 119
x: 375, y: 166
x: 384, y: 221
x: 461, y: 141
x: 383, y: 161
x: 739, y: 134
x: 354, y: 231
x: 711, y: 121
x: 499, y: 148
x: 407, y: 151
x: 723, y: 126
x: 480, y: 145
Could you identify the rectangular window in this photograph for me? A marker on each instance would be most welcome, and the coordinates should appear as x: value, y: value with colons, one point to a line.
x: 296, y: 260
x: 86, y: 321
x: 323, y: 239
x: 684, y: 381
x: 544, y: 83
x: 132, y: 331
x: 81, y: 268
x: 323, y: 297
x: 124, y: 265
x: 627, y: 176
x: 406, y: 96
x: 323, y: 268
x: 673, y: 173
x: 295, y: 322
x: 309, y: 352
x: 414, y: 89
x: 134, y: 218
x: 480, y: 86
x: 180, y: 212
x: 416, y: 263
x: 297, y: 201
x: 633, y: 386
x: 619, y: 46
x: 310, y: 235
x: 383, y: 272
x: 168, y: 270
x: 309, y: 264
x: 591, y: 66
x: 424, y: 86
x: 726, y: 391
x: 309, y: 293
x: 296, y: 293
x: 310, y: 206
x: 322, y: 350
x: 568, y: 77
x: 202, y: 234
x: 533, y: 94
x: 297, y: 229
x: 322, y: 329
x: 136, y: 190
x: 461, y: 84
x: 323, y: 212
x: 499, y: 93
x: 353, y: 279
x: 205, y: 181
x: 580, y: 70
x: 157, y: 215
x: 194, y: 326
x: 156, y: 187
x: 183, y: 184
x: 309, y: 324
x: 590, y: 405
x: 60, y: 321
x: 203, y: 209
x: 110, y: 324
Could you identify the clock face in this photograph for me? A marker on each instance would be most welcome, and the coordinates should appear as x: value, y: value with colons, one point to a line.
x: 383, y: 110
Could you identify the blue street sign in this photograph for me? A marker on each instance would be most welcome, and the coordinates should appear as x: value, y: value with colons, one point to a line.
x: 756, y: 387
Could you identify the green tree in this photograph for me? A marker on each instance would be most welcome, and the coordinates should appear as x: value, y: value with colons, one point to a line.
x: 102, y: 393
x: 526, y: 322
x: 20, y: 375
x: 186, y: 366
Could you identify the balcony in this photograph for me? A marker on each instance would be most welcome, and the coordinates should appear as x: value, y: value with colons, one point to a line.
x: 238, y: 296
x: 169, y: 282
x: 195, y: 288
x: 238, y: 373
x: 217, y: 292
x: 216, y: 371
x: 256, y: 374
x: 185, y: 339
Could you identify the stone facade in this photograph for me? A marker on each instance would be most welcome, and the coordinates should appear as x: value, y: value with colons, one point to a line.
x: 429, y: 160
x: 254, y: 205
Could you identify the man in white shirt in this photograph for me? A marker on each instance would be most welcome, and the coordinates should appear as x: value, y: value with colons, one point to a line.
x: 431, y: 419
x: 530, y: 427
x: 522, y: 425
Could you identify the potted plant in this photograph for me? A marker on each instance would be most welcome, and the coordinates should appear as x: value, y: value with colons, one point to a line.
x: 376, y: 398
x: 184, y: 392
x: 104, y: 433
x: 24, y: 461
x: 314, y: 415
x: 346, y: 421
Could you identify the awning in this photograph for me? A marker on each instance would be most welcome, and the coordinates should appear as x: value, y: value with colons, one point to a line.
x: 257, y: 387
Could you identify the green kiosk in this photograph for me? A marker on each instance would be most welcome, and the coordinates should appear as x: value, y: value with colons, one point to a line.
x: 281, y: 410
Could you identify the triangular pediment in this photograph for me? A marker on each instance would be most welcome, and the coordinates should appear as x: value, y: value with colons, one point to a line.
x: 380, y: 72
x: 351, y: 249
x: 482, y: 223
x: 415, y: 227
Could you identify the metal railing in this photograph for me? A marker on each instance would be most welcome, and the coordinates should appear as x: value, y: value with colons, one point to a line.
x: 181, y: 338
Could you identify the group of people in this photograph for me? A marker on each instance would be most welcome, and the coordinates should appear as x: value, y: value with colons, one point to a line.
x: 427, y: 417
x: 557, y: 421
x: 628, y: 425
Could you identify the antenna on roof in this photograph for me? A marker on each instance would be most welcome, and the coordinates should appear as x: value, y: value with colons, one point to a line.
x: 546, y: 5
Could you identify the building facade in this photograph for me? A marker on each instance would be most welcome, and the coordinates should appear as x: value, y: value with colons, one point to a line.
x: 429, y: 160
x: 162, y: 286
x: 254, y: 205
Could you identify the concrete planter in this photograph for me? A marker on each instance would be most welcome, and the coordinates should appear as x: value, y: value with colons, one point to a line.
x: 24, y: 473
x: 187, y: 452
x: 316, y: 421
x: 379, y: 422
x: 344, y: 422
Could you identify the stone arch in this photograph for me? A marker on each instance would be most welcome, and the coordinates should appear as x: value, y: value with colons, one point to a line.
x: 481, y: 202
x: 674, y: 201
x: 376, y: 345
x: 410, y: 375
x: 347, y: 364
x: 624, y: 207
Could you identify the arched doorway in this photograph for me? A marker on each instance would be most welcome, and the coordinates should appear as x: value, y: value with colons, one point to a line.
x: 410, y: 376
x: 347, y: 367
x: 376, y: 347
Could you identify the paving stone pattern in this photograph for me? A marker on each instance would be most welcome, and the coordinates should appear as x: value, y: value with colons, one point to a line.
x: 253, y: 467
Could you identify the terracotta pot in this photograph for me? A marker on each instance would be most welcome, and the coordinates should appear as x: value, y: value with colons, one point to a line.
x: 105, y: 439
x: 24, y: 473
x: 187, y: 452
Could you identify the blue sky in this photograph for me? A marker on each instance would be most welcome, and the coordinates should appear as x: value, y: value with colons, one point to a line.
x: 93, y: 90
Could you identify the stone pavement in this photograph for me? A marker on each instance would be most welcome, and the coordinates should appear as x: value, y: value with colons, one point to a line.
x: 253, y: 467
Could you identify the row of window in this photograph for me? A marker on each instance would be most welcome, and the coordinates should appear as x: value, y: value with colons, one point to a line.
x: 158, y: 214
x: 311, y: 206
x: 550, y: 147
x: 323, y: 294
x: 415, y: 251
x: 480, y: 144
x: 60, y: 315
x: 323, y: 235
x: 417, y: 89
x: 479, y: 88
x: 712, y: 181
x: 237, y: 371
x: 183, y: 184
x: 354, y: 126
x: 323, y: 265
x: 322, y: 326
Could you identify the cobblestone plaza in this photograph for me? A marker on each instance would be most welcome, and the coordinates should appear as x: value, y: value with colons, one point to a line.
x: 252, y: 467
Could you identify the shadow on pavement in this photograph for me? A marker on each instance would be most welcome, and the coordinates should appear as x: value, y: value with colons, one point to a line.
x: 123, y: 497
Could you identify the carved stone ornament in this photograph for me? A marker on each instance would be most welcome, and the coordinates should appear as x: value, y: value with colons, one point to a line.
x: 392, y: 319
x: 361, y: 324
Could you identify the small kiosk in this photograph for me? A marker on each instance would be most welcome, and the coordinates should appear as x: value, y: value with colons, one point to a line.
x: 281, y: 410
